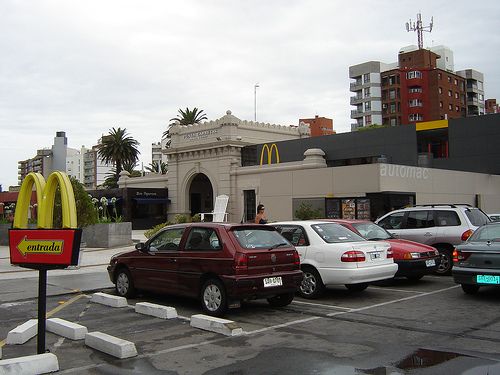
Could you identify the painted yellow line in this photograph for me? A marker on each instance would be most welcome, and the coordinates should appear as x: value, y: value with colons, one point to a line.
x: 57, y: 309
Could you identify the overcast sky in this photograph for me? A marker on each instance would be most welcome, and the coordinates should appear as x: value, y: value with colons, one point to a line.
x: 84, y: 67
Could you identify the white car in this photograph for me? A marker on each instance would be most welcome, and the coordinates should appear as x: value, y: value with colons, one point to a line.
x: 331, y: 254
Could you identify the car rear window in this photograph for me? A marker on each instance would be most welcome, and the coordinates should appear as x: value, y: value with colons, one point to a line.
x: 335, y: 233
x: 257, y: 238
x: 477, y: 217
x: 486, y: 233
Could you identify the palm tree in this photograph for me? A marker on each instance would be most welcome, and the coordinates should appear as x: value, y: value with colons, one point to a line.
x: 119, y: 149
x: 186, y: 117
x: 153, y: 167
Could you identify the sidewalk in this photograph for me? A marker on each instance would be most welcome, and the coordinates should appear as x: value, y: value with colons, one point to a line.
x: 90, y: 274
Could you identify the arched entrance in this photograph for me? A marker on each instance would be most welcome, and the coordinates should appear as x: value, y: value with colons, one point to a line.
x: 201, y: 195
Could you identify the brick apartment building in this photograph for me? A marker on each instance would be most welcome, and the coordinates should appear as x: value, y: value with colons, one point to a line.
x: 419, y: 91
x: 319, y: 125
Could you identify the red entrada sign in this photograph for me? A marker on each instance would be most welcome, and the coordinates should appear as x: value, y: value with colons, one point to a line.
x: 53, y: 247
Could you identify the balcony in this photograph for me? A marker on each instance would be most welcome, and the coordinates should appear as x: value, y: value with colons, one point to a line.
x: 356, y: 100
x: 355, y: 113
x: 355, y: 86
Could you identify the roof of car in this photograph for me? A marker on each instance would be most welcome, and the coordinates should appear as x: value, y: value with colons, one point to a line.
x: 347, y: 221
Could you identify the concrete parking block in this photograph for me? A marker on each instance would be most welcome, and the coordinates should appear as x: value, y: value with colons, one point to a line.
x: 109, y: 300
x: 158, y: 311
x: 22, y: 333
x: 30, y: 365
x: 66, y: 329
x: 110, y: 345
x: 218, y: 325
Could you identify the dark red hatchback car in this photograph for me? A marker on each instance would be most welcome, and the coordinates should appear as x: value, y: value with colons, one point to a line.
x: 221, y: 264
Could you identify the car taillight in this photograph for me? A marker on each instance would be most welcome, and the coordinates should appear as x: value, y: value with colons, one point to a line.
x: 390, y: 254
x: 467, y: 234
x: 353, y: 256
x: 459, y: 256
x: 241, y: 263
x: 296, y: 258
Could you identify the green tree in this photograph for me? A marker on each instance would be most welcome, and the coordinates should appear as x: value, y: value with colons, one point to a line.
x: 306, y: 212
x: 153, y: 167
x: 85, y: 211
x: 119, y: 149
x: 187, y: 117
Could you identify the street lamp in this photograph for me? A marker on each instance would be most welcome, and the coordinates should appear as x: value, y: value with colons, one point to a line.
x: 255, y: 102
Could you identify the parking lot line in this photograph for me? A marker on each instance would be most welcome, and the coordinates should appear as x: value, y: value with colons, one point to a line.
x: 393, y: 301
x: 322, y: 305
x: 397, y: 290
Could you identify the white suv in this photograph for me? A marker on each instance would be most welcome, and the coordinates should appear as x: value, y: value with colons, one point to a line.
x: 442, y: 226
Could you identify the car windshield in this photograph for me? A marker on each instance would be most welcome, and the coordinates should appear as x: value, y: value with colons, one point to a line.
x: 259, y: 238
x: 486, y: 233
x: 477, y: 217
x: 335, y: 233
x: 371, y: 231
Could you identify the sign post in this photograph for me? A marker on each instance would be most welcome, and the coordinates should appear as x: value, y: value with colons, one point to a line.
x: 45, y: 248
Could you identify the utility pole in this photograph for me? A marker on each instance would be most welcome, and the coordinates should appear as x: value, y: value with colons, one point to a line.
x: 419, y: 28
x: 255, y: 101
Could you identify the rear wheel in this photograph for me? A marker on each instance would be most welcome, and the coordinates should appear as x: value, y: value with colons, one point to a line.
x: 446, y: 261
x: 281, y: 300
x: 124, y: 284
x: 357, y: 287
x: 312, y: 286
x: 470, y: 288
x: 213, y: 297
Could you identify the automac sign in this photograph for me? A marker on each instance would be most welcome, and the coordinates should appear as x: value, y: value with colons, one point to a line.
x: 404, y: 171
x: 200, y: 135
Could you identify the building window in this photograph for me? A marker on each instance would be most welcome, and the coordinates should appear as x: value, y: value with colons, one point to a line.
x: 456, y: 82
x: 481, y: 97
x: 368, y: 120
x: 456, y: 95
x: 393, y: 108
x: 415, y: 89
x: 415, y: 103
x: 413, y: 74
x: 439, y: 75
x: 450, y: 107
x: 393, y: 122
x: 449, y: 79
x: 480, y: 85
x: 367, y: 92
x: 368, y: 106
x: 457, y: 108
x: 392, y: 94
x: 440, y: 90
x: 449, y: 93
x: 440, y: 104
x: 366, y: 77
x: 415, y: 117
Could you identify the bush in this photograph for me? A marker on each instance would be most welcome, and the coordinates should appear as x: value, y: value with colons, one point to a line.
x: 306, y: 212
x: 85, y: 212
x: 178, y: 219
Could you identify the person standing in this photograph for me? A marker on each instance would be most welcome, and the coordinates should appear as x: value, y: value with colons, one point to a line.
x: 261, y: 217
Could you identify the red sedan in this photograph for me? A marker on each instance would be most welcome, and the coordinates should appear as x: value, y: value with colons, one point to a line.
x: 414, y: 259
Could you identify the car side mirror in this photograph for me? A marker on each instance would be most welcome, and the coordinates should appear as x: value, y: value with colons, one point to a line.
x: 141, y: 246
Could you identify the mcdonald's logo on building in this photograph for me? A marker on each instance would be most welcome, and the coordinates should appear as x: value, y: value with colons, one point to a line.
x: 266, y: 150
x: 46, y: 246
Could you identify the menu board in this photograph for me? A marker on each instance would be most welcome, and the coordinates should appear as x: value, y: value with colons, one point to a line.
x: 348, y: 209
x: 333, y: 209
x: 363, y: 209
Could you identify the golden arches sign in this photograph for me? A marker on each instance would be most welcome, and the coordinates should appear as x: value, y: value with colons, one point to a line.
x: 45, y: 195
x: 269, y: 153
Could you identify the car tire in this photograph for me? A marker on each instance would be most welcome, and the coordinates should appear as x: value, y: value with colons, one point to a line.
x: 124, y: 284
x: 311, y: 286
x: 415, y: 277
x: 281, y: 300
x: 356, y: 288
x: 213, y: 297
x: 470, y: 288
x: 446, y: 262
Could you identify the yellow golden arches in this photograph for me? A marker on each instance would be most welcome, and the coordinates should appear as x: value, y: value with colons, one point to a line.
x: 269, y: 153
x: 45, y: 194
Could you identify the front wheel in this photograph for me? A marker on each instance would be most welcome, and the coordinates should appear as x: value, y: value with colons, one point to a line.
x: 124, y: 284
x: 356, y: 287
x: 281, y: 300
x: 470, y: 288
x: 213, y: 298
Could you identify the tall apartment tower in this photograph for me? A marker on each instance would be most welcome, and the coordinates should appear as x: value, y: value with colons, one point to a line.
x: 475, y: 91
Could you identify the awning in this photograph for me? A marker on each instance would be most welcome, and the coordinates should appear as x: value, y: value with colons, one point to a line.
x: 151, y: 200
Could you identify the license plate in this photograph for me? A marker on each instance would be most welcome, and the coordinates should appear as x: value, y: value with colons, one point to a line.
x: 273, y: 281
x: 487, y: 279
x: 375, y: 255
x: 430, y: 263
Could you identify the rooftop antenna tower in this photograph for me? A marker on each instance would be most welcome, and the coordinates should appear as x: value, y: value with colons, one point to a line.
x: 419, y: 28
